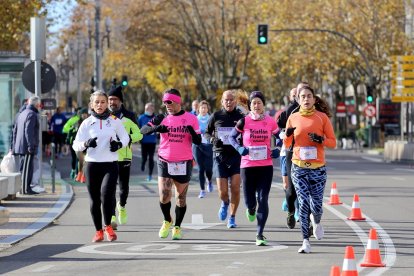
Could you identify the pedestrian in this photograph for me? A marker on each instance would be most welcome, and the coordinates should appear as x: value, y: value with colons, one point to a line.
x: 98, y: 135
x: 311, y: 130
x: 256, y: 168
x: 26, y: 141
x: 115, y: 98
x: 226, y: 160
x: 290, y: 192
x: 178, y: 129
x: 203, y: 153
x: 194, y: 107
x: 57, y: 122
x: 148, y: 142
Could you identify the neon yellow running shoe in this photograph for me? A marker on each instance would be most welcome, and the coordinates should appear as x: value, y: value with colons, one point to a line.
x: 261, y: 240
x: 113, y: 223
x: 176, y: 233
x: 165, y: 229
x: 122, y: 214
x: 250, y: 217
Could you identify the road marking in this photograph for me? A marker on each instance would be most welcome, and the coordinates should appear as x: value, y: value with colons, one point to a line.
x: 197, y: 223
x: 43, y: 268
x: 373, y: 159
x: 197, y: 247
x: 398, y: 178
x: 403, y: 170
x: 361, y: 173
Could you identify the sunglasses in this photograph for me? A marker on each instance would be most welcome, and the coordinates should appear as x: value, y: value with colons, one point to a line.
x: 168, y: 102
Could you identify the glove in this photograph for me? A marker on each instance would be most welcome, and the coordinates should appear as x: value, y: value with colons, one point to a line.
x: 114, y: 145
x: 275, y: 153
x: 161, y: 129
x: 158, y: 119
x: 289, y: 131
x: 315, y: 137
x: 216, y: 142
x: 243, y: 151
x: 91, y: 143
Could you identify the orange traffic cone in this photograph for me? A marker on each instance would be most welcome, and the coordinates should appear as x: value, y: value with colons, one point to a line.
x: 372, y: 253
x: 334, y: 200
x: 335, y: 271
x: 356, y: 211
x: 349, y: 265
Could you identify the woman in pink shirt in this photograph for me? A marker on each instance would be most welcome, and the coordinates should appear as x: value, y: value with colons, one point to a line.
x: 178, y: 130
x: 256, y: 168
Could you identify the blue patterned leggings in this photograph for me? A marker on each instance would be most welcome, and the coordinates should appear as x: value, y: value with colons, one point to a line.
x: 309, y: 185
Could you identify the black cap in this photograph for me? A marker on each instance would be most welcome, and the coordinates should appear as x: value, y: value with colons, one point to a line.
x: 117, y: 92
x: 256, y: 94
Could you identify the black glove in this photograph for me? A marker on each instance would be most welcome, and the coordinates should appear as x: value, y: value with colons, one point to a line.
x: 91, y: 143
x: 158, y: 119
x: 161, y: 129
x: 216, y: 142
x: 275, y: 153
x: 315, y: 137
x: 114, y: 145
x: 289, y: 131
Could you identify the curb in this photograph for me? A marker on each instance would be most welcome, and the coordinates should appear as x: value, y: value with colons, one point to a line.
x: 57, y: 210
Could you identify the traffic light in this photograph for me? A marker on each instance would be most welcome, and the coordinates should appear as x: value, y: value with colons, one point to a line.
x: 370, y: 98
x: 124, y: 81
x: 262, y: 30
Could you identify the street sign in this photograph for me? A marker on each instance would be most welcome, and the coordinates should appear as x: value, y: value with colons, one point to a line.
x: 402, y: 78
x: 48, y: 77
x: 370, y: 111
x: 49, y: 104
x: 402, y: 58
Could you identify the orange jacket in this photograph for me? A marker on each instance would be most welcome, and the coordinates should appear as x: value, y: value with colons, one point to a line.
x: 318, y: 123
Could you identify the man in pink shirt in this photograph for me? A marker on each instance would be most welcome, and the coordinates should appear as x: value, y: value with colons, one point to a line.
x: 178, y: 130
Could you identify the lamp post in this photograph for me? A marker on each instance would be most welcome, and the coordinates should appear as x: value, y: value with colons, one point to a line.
x: 64, y: 70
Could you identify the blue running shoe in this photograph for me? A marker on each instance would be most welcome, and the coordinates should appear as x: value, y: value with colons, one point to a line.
x: 232, y: 222
x: 284, y: 205
x: 210, y: 187
x: 222, y: 213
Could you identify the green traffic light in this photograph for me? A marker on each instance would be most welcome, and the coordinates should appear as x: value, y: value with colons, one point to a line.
x: 124, y: 83
x: 369, y: 99
x: 262, y: 39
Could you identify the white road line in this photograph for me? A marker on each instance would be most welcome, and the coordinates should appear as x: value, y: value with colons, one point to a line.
x: 398, y: 178
x: 404, y: 170
x: 373, y: 159
x: 361, y: 173
x: 43, y: 268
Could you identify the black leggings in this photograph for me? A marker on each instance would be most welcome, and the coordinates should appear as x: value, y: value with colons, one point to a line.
x: 257, y: 180
x: 74, y: 160
x: 124, y: 168
x: 101, y: 184
x: 290, y: 192
x: 147, y: 152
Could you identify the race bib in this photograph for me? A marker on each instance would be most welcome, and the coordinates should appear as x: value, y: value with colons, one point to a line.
x: 179, y: 168
x: 204, y: 140
x: 58, y: 121
x: 308, y: 153
x: 257, y: 152
x: 223, y: 133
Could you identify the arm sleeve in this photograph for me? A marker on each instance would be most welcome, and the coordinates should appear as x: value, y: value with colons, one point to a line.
x: 237, y: 130
x: 121, y: 133
x: 135, y: 133
x: 81, y: 138
x: 209, y: 132
x: 152, y: 125
x: 195, y: 133
x: 288, y: 140
x: 330, y: 139
x: 69, y: 124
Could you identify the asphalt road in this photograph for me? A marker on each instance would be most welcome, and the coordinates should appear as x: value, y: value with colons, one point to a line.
x: 209, y: 248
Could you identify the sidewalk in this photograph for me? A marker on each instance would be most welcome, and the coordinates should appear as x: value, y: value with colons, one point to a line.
x: 31, y: 213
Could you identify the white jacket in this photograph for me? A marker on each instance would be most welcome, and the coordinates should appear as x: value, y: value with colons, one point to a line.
x: 105, y: 130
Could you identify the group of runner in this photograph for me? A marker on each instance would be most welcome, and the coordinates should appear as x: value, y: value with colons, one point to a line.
x: 242, y: 153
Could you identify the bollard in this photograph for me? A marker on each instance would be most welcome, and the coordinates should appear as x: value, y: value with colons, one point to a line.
x: 53, y: 166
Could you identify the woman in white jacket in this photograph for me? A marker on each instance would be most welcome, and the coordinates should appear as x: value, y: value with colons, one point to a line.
x: 101, y: 135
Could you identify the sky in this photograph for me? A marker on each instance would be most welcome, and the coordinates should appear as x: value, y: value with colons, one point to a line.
x: 60, y: 11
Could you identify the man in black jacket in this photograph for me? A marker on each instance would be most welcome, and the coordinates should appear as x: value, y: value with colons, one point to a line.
x: 26, y: 141
x: 117, y: 92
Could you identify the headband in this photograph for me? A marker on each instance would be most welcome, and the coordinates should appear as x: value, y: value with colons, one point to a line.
x: 171, y: 97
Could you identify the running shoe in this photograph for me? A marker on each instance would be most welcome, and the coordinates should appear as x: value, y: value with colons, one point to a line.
x: 149, y: 178
x: 284, y: 205
x: 122, y: 214
x: 165, y: 229
x: 318, y: 231
x: 290, y: 220
x: 72, y: 174
x: 99, y: 236
x: 176, y: 233
x: 83, y: 178
x: 78, y: 177
x: 250, y: 217
x: 231, y: 223
x: 110, y: 234
x: 222, y: 213
x: 305, y: 248
x: 202, y: 194
x: 261, y: 240
x: 113, y: 223
x: 210, y: 187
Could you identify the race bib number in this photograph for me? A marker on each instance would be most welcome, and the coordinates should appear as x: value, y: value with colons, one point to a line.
x: 223, y: 134
x: 58, y: 121
x: 257, y: 152
x: 308, y: 153
x: 204, y: 140
x: 179, y: 168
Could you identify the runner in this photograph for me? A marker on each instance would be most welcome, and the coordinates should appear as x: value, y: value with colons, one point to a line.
x: 311, y: 130
x: 256, y: 165
x: 148, y: 142
x: 226, y: 159
x: 124, y: 155
x: 178, y: 129
x: 98, y: 136
x: 203, y: 153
